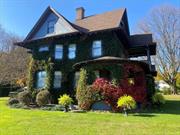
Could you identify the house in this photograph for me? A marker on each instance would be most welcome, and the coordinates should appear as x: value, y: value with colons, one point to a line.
x: 60, y: 48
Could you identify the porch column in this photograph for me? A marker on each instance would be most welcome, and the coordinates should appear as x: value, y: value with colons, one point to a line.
x: 148, y: 56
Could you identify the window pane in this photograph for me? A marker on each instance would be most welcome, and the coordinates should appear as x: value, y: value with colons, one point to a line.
x: 97, y: 48
x: 41, y: 77
x: 58, y: 52
x: 72, y: 51
x: 50, y: 27
x: 57, y: 79
x: 43, y: 48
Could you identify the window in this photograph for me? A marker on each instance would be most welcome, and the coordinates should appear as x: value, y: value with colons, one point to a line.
x: 58, y: 52
x: 43, y: 48
x: 72, y: 51
x: 50, y: 27
x: 57, y: 79
x: 76, y: 79
x: 96, y: 49
x: 41, y: 77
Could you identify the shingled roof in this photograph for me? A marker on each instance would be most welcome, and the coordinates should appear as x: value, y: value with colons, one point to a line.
x: 107, y: 20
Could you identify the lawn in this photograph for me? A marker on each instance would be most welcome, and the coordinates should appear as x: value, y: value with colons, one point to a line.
x: 165, y: 121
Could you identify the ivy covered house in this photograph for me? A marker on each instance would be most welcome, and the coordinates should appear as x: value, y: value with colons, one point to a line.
x: 100, y: 43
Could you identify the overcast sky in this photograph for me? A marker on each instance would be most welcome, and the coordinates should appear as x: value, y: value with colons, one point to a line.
x: 19, y: 16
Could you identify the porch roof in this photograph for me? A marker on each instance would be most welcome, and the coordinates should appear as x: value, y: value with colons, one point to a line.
x: 112, y: 60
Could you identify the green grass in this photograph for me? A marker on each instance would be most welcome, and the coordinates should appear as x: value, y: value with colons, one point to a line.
x: 165, y: 121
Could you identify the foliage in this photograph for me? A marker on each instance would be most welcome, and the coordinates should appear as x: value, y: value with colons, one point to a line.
x: 43, y: 97
x: 65, y: 100
x: 111, y: 93
x: 90, y: 96
x: 25, y: 97
x: 13, y: 59
x: 81, y: 87
x: 166, y: 91
x: 12, y: 101
x: 21, y: 82
x: 36, y: 65
x: 163, y: 22
x: 127, y: 102
x: 158, y: 99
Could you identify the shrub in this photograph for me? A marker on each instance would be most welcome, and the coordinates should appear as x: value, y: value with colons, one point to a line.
x: 13, y: 101
x: 111, y: 92
x: 25, y: 97
x: 167, y: 91
x: 81, y: 87
x: 43, y: 97
x: 158, y: 99
x: 65, y: 100
x: 127, y: 103
x: 90, y: 96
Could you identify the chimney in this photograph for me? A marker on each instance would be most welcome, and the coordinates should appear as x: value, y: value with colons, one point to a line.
x: 80, y: 13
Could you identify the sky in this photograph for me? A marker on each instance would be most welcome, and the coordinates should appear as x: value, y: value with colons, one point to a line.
x: 19, y: 16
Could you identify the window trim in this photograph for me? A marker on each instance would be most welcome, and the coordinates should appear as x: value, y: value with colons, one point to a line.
x: 93, y: 55
x: 74, y: 51
x: 58, y: 51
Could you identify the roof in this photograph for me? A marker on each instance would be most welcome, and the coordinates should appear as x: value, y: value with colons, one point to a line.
x: 107, y: 20
x: 42, y: 18
x: 111, y: 60
x: 141, y: 39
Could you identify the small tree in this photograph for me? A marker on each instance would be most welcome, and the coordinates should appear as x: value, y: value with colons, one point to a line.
x: 127, y: 103
x: 81, y: 87
x: 65, y: 100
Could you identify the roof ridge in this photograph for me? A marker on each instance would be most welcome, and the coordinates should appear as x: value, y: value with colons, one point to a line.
x: 122, y: 9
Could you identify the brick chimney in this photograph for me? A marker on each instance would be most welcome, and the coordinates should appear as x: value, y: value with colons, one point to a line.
x: 80, y: 13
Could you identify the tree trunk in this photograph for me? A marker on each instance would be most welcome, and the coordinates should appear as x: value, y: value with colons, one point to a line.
x: 174, y: 87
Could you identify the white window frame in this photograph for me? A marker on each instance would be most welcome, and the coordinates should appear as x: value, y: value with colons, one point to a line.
x: 43, y: 48
x: 57, y: 80
x: 72, y: 51
x: 58, y: 51
x: 41, y: 79
x: 97, y: 47
x: 50, y: 26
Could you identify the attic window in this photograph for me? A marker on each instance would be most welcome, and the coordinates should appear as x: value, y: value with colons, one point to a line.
x: 50, y: 27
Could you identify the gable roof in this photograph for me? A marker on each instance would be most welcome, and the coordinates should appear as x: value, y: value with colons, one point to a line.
x: 42, y: 19
x: 107, y: 20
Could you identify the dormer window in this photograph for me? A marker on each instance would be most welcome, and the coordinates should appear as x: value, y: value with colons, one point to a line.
x: 44, y: 48
x: 50, y: 27
x: 72, y: 51
x: 97, y: 48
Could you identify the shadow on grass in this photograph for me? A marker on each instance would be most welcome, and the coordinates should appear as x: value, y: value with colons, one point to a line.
x: 144, y: 115
x: 170, y: 107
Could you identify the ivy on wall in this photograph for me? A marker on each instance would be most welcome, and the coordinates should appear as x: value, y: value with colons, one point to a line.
x: 39, y: 65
